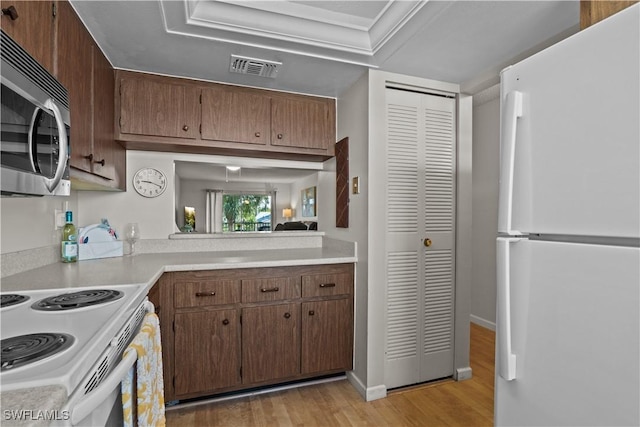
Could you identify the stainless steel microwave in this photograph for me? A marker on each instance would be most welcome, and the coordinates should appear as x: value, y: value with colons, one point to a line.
x: 35, y: 125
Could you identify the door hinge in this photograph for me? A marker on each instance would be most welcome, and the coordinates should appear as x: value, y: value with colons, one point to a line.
x: 173, y: 381
x: 241, y: 372
x: 200, y: 128
x: 200, y: 98
x: 173, y: 325
x: 241, y: 319
x: 54, y: 10
x: 120, y: 122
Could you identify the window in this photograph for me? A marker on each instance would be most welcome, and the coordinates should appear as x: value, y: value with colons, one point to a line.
x: 246, y: 212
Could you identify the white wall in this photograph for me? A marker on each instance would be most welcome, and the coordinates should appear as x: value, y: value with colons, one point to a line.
x: 486, y: 173
x: 28, y: 222
x: 352, y: 122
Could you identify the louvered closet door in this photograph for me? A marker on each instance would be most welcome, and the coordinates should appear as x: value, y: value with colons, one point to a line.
x: 420, y: 205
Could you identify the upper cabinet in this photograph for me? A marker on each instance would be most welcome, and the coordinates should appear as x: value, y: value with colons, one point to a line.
x: 158, y: 108
x: 52, y: 33
x: 97, y: 160
x: 235, y: 114
x: 170, y: 114
x: 32, y: 25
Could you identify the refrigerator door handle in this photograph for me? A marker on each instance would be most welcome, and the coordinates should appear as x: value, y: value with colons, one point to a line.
x: 506, y: 360
x: 510, y: 114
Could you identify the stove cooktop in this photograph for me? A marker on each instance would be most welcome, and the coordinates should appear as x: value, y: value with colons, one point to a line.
x: 79, y: 299
x: 87, y: 329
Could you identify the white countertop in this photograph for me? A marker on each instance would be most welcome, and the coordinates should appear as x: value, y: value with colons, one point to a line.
x: 145, y: 269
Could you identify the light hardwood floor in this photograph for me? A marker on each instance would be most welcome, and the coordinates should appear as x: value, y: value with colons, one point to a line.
x: 447, y: 403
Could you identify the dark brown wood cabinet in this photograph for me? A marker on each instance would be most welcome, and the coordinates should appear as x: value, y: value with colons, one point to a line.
x: 236, y: 115
x: 270, y: 342
x: 33, y: 29
x: 159, y: 113
x: 226, y: 330
x: 207, y: 351
x: 326, y: 343
x: 97, y: 160
x: 301, y: 123
x: 157, y: 107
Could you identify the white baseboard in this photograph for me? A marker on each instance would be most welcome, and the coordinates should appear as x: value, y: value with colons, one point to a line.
x: 483, y: 322
x: 464, y: 373
x: 370, y: 393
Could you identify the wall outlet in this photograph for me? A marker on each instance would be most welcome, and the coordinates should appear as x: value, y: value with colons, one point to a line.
x: 59, y: 219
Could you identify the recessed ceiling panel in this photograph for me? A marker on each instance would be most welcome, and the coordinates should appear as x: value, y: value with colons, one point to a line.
x: 343, y: 31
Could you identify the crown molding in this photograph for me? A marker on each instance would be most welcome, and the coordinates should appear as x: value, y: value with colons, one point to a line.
x: 291, y: 26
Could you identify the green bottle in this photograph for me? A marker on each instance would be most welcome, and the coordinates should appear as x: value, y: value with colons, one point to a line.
x: 69, y: 240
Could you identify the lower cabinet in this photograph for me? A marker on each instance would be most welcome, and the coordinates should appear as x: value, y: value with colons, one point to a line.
x: 228, y: 330
x: 207, y: 350
x: 270, y: 342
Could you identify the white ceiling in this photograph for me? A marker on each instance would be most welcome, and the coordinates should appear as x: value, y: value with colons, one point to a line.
x: 326, y: 45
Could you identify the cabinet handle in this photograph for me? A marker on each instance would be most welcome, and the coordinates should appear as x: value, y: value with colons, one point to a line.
x: 287, y: 315
x: 90, y: 158
x: 185, y: 128
x: 280, y: 136
x: 327, y: 285
x: 205, y: 294
x: 225, y: 322
x: 257, y: 134
x: 11, y: 11
x: 311, y: 312
x: 270, y: 289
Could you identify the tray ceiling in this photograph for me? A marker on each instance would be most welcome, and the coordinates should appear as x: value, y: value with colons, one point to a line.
x: 345, y: 31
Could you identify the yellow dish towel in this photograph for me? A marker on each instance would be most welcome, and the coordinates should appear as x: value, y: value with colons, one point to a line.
x: 149, y: 384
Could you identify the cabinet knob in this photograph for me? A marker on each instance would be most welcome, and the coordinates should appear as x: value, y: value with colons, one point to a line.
x: 311, y: 312
x: 287, y: 315
x: 276, y: 289
x: 427, y: 242
x: 185, y: 128
x: 257, y: 134
x: 11, y: 11
x: 280, y: 136
x: 225, y: 322
x: 327, y: 285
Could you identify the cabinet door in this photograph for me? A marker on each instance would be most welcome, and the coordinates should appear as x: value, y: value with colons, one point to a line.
x: 235, y: 115
x: 74, y: 52
x: 302, y: 123
x: 327, y: 335
x: 271, y: 342
x: 33, y: 29
x: 207, y: 351
x: 150, y: 106
x: 106, y: 152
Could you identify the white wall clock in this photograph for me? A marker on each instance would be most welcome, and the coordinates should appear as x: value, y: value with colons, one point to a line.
x: 150, y: 182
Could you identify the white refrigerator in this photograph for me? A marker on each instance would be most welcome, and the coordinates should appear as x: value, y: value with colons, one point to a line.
x: 568, y: 250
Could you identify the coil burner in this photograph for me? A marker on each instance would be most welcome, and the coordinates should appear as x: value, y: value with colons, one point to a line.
x: 79, y: 299
x: 25, y: 349
x: 8, y: 300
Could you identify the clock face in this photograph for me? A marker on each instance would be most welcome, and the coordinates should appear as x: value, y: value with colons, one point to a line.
x: 149, y: 182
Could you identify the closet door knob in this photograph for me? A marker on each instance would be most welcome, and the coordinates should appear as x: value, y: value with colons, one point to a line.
x: 287, y: 315
x: 257, y: 134
x: 225, y: 322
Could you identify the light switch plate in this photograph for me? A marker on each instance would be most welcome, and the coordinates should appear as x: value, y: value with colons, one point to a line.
x: 355, y: 185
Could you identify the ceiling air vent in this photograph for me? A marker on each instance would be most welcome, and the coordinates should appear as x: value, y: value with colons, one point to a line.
x: 254, y: 67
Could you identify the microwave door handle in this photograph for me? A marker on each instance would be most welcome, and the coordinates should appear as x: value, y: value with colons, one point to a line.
x: 52, y: 183
x: 32, y: 141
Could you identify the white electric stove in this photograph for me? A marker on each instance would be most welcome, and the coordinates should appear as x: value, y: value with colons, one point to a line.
x: 60, y: 336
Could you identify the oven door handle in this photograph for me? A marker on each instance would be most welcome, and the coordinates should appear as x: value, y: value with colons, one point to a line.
x: 84, y: 407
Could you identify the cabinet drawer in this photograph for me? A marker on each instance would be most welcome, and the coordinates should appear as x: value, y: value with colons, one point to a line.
x: 318, y: 285
x: 271, y: 289
x: 204, y: 293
